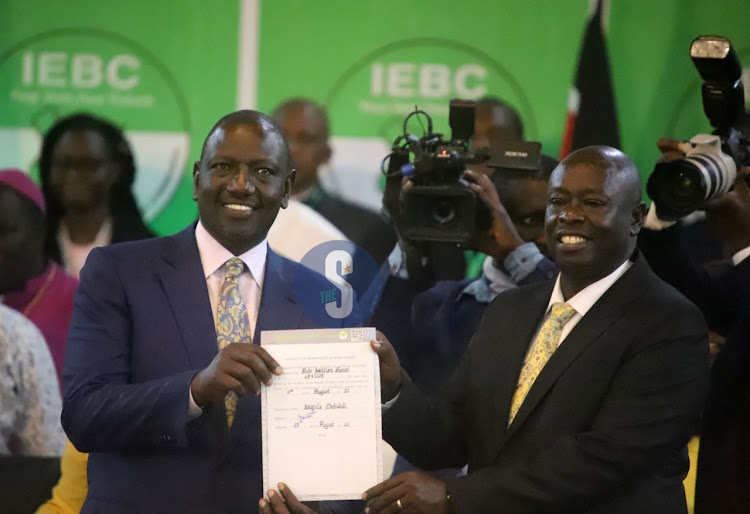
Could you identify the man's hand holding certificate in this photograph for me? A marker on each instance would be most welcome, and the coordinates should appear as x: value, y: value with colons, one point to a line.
x: 321, y: 416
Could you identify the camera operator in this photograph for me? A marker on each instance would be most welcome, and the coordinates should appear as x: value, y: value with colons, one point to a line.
x: 722, y: 292
x: 430, y: 329
x: 494, y: 120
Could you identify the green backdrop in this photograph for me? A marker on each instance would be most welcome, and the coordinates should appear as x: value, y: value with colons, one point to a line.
x: 168, y: 70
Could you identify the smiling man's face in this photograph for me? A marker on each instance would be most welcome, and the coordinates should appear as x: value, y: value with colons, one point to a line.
x: 593, y: 216
x: 242, y: 180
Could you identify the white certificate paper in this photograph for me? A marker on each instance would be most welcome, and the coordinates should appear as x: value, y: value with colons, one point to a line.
x: 321, y: 416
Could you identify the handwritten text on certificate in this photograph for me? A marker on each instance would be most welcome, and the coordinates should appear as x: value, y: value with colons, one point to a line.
x: 321, y: 416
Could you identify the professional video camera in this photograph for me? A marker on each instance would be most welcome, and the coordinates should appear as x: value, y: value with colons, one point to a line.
x: 441, y: 207
x: 710, y: 166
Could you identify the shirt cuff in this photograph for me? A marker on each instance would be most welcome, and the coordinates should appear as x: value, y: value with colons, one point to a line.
x: 522, y: 261
x: 193, y: 410
x: 740, y: 256
x: 397, y: 263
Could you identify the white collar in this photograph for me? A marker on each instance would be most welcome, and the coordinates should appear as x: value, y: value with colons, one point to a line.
x: 589, y: 295
x: 213, y: 255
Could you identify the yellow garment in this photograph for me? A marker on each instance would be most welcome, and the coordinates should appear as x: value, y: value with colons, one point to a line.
x: 539, y: 353
x: 70, y: 492
x: 689, y: 482
x: 231, y: 321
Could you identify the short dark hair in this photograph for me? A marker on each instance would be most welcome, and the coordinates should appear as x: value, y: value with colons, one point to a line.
x: 502, y: 178
x: 513, y: 115
x: 304, y: 102
x: 250, y: 117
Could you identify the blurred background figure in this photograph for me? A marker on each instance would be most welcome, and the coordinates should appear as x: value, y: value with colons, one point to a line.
x: 29, y: 391
x: 494, y: 120
x: 31, y: 437
x: 30, y: 282
x: 87, y: 172
x: 305, y: 125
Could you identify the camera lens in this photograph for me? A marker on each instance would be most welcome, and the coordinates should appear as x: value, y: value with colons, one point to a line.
x: 444, y: 212
x: 683, y: 185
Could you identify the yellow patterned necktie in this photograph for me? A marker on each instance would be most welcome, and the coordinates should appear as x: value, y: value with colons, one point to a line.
x: 540, y: 351
x: 232, y: 325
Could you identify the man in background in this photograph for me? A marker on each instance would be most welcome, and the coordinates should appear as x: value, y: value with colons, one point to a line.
x: 305, y: 125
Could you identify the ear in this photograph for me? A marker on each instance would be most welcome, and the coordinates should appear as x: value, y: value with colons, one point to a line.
x: 288, y: 185
x: 638, y: 216
x: 327, y: 152
x: 196, y: 176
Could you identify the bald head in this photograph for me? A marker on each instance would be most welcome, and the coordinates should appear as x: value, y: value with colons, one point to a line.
x: 618, y: 167
x: 594, y: 213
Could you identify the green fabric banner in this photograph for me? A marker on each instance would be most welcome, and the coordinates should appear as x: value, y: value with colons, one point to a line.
x: 166, y: 71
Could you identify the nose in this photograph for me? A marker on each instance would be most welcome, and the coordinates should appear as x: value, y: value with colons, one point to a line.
x: 241, y: 181
x: 572, y: 213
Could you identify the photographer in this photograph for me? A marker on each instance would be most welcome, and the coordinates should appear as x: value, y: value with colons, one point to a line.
x: 722, y: 292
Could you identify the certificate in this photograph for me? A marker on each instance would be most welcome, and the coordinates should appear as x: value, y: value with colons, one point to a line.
x: 321, y: 416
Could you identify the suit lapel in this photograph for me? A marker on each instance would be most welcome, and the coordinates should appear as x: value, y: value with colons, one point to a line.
x: 517, y: 330
x: 593, y: 326
x: 278, y: 307
x: 181, y: 275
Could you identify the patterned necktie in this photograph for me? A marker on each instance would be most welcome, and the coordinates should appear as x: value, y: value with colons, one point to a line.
x: 541, y: 350
x: 232, y: 325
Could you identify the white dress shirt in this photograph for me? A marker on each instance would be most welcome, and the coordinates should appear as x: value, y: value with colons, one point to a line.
x: 213, y: 256
x: 298, y: 229
x: 581, y: 302
x: 585, y: 298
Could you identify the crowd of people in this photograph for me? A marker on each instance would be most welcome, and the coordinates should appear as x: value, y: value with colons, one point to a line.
x: 559, y: 362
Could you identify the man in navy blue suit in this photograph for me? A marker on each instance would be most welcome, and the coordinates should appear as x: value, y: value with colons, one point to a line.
x: 144, y: 379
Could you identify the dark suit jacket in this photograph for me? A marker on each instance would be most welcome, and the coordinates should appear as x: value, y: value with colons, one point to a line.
x: 604, y: 427
x: 141, y: 329
x: 722, y: 292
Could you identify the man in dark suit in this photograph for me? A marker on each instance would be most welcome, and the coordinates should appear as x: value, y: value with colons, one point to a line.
x: 587, y: 412
x: 721, y: 289
x: 148, y: 391
x: 305, y: 125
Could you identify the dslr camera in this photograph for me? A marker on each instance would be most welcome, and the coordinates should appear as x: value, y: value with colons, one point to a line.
x: 711, y: 161
x: 440, y: 207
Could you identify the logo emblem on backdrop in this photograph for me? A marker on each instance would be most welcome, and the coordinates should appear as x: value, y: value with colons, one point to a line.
x: 59, y: 72
x: 369, y: 100
x: 349, y: 285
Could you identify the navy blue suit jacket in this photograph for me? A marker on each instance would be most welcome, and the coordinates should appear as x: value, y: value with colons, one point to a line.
x: 142, y: 328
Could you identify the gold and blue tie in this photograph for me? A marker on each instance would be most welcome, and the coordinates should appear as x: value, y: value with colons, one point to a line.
x: 232, y: 325
x: 541, y: 350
